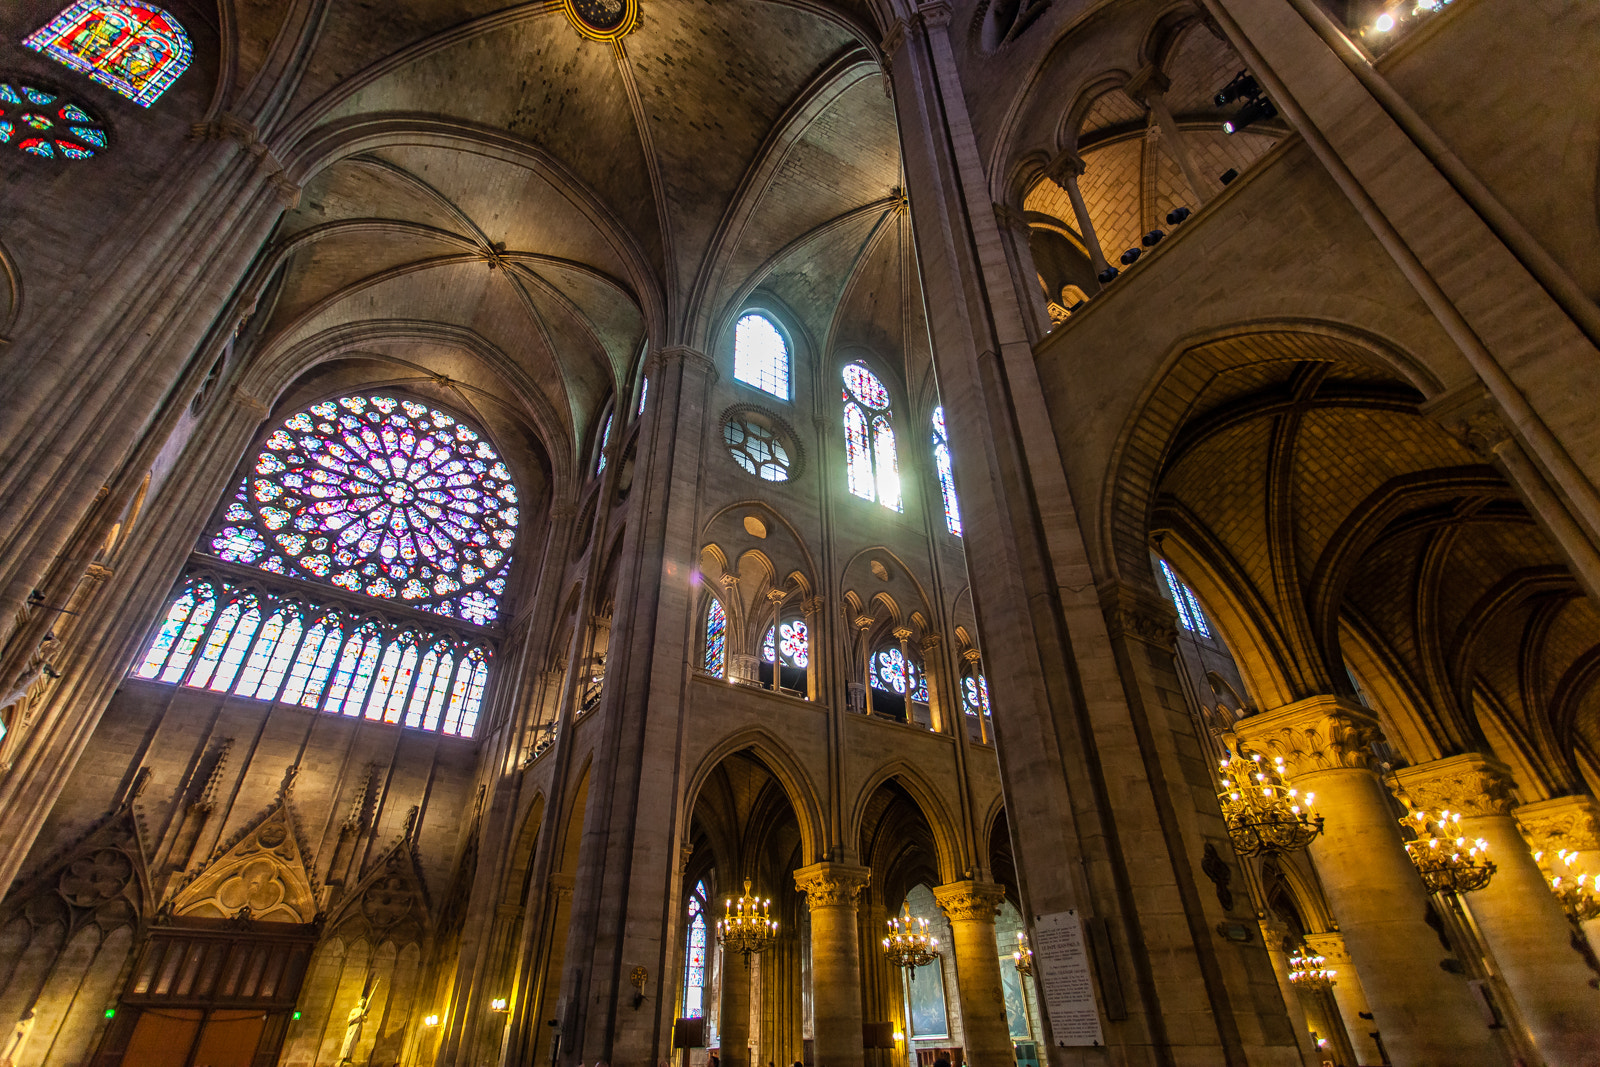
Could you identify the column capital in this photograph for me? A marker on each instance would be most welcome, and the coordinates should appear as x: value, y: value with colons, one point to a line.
x: 1330, y: 946
x: 1471, y: 783
x: 1274, y: 933
x: 902, y: 633
x: 1065, y: 167
x: 1147, y: 83
x: 1139, y: 613
x: 832, y: 885
x: 970, y: 901
x: 930, y: 642
x: 1561, y: 823
x: 689, y: 357
x: 813, y: 605
x: 1320, y: 733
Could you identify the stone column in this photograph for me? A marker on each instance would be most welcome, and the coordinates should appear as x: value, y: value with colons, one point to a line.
x: 1525, y: 927
x: 1348, y: 995
x: 1064, y: 171
x: 812, y: 607
x: 733, y: 1018
x: 1570, y: 824
x: 831, y: 891
x: 1427, y: 1015
x: 1274, y: 935
x: 1150, y: 85
x: 971, y: 908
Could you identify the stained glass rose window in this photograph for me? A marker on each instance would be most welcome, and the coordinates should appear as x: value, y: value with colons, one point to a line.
x: 383, y: 496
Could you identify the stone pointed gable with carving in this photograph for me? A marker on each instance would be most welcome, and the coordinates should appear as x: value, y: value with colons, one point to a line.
x: 101, y: 878
x: 262, y: 874
x: 390, y: 903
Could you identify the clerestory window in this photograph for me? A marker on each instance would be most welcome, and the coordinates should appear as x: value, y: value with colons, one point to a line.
x: 946, y: 472
x: 136, y: 49
x: 760, y: 355
x: 871, y: 462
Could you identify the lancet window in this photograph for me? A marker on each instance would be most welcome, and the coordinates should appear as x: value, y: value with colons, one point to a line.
x: 605, y: 442
x: 1190, y: 617
x: 238, y: 637
x: 947, y: 480
x: 716, y: 657
x: 694, y: 966
x: 760, y: 355
x: 871, y: 461
x: 134, y: 48
x: 644, y: 394
x: 394, y: 507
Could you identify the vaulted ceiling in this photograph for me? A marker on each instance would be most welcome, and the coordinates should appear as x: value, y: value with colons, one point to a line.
x: 482, y: 176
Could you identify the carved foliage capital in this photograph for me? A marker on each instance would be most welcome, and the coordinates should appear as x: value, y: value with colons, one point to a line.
x: 1139, y: 614
x: 1563, y: 823
x: 832, y: 885
x: 1330, y: 946
x: 1470, y: 784
x: 1319, y: 734
x: 970, y: 901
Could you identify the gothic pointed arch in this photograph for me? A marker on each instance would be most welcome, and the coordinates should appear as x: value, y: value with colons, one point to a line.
x: 390, y: 903
x: 263, y: 874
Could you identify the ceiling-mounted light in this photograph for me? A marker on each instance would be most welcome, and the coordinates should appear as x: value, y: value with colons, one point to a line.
x: 1243, y: 85
x: 1227, y: 176
x: 1258, y: 110
x: 1177, y: 215
x: 1108, y: 275
x: 1131, y: 255
x: 1153, y: 238
x: 1384, y: 23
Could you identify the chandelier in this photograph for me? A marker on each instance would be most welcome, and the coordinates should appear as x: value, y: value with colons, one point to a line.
x: 1448, y: 862
x: 1307, y: 971
x: 1264, y: 814
x: 1575, y: 896
x: 746, y: 926
x: 1023, y: 956
x: 909, y: 944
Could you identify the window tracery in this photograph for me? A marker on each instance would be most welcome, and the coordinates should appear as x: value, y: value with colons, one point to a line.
x: 134, y: 48
x: 786, y: 651
x: 47, y: 125
x: 975, y: 694
x: 760, y: 355
x: 946, y: 471
x: 382, y: 496
x: 1189, y: 614
x: 716, y: 657
x: 870, y: 457
x: 694, y: 967
x: 233, y: 637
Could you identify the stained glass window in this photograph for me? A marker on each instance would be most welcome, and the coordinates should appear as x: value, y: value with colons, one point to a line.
x: 694, y: 963
x: 791, y: 640
x: 870, y: 459
x: 605, y: 441
x: 760, y: 356
x: 382, y: 496
x: 134, y: 48
x: 644, y: 393
x: 947, y: 480
x: 293, y: 651
x: 975, y: 694
x: 43, y: 124
x: 1188, y: 605
x: 716, y: 661
x: 894, y: 673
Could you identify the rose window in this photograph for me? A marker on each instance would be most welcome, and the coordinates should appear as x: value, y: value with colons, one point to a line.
x: 44, y: 124
x: 382, y: 496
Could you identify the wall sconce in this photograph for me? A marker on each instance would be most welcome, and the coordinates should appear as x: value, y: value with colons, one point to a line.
x: 432, y: 1020
x: 899, y: 1034
x: 499, y: 1004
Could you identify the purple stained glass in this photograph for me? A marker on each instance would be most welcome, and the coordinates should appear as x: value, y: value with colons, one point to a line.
x: 947, y: 480
x: 382, y: 496
x: 861, y: 384
x: 716, y: 660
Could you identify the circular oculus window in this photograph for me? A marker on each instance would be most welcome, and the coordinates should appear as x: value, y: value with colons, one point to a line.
x: 760, y: 447
x: 46, y: 124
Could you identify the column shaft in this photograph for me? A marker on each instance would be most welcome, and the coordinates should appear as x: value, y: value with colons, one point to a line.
x: 971, y: 908
x: 734, y: 1016
x: 1348, y: 996
x: 1425, y: 1014
x: 831, y: 891
x: 1274, y: 934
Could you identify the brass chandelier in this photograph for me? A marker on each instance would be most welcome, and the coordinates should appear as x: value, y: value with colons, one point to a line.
x: 747, y: 925
x: 1447, y: 861
x: 1307, y: 971
x: 1265, y: 815
x: 1575, y: 892
x: 909, y: 944
x: 1023, y: 956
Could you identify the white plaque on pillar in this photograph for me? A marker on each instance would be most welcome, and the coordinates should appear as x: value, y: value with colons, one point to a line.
x: 1061, y: 964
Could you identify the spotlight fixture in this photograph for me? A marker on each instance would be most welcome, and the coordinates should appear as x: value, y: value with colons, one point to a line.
x: 1073, y: 309
x: 1227, y: 176
x: 1243, y: 85
x: 1108, y: 275
x: 1177, y: 215
x: 1257, y: 110
x: 499, y: 1004
x: 1153, y: 238
x: 1131, y: 255
x: 1383, y: 23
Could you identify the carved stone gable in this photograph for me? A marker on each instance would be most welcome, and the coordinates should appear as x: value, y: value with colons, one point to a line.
x: 101, y: 878
x: 262, y: 875
x: 390, y: 903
